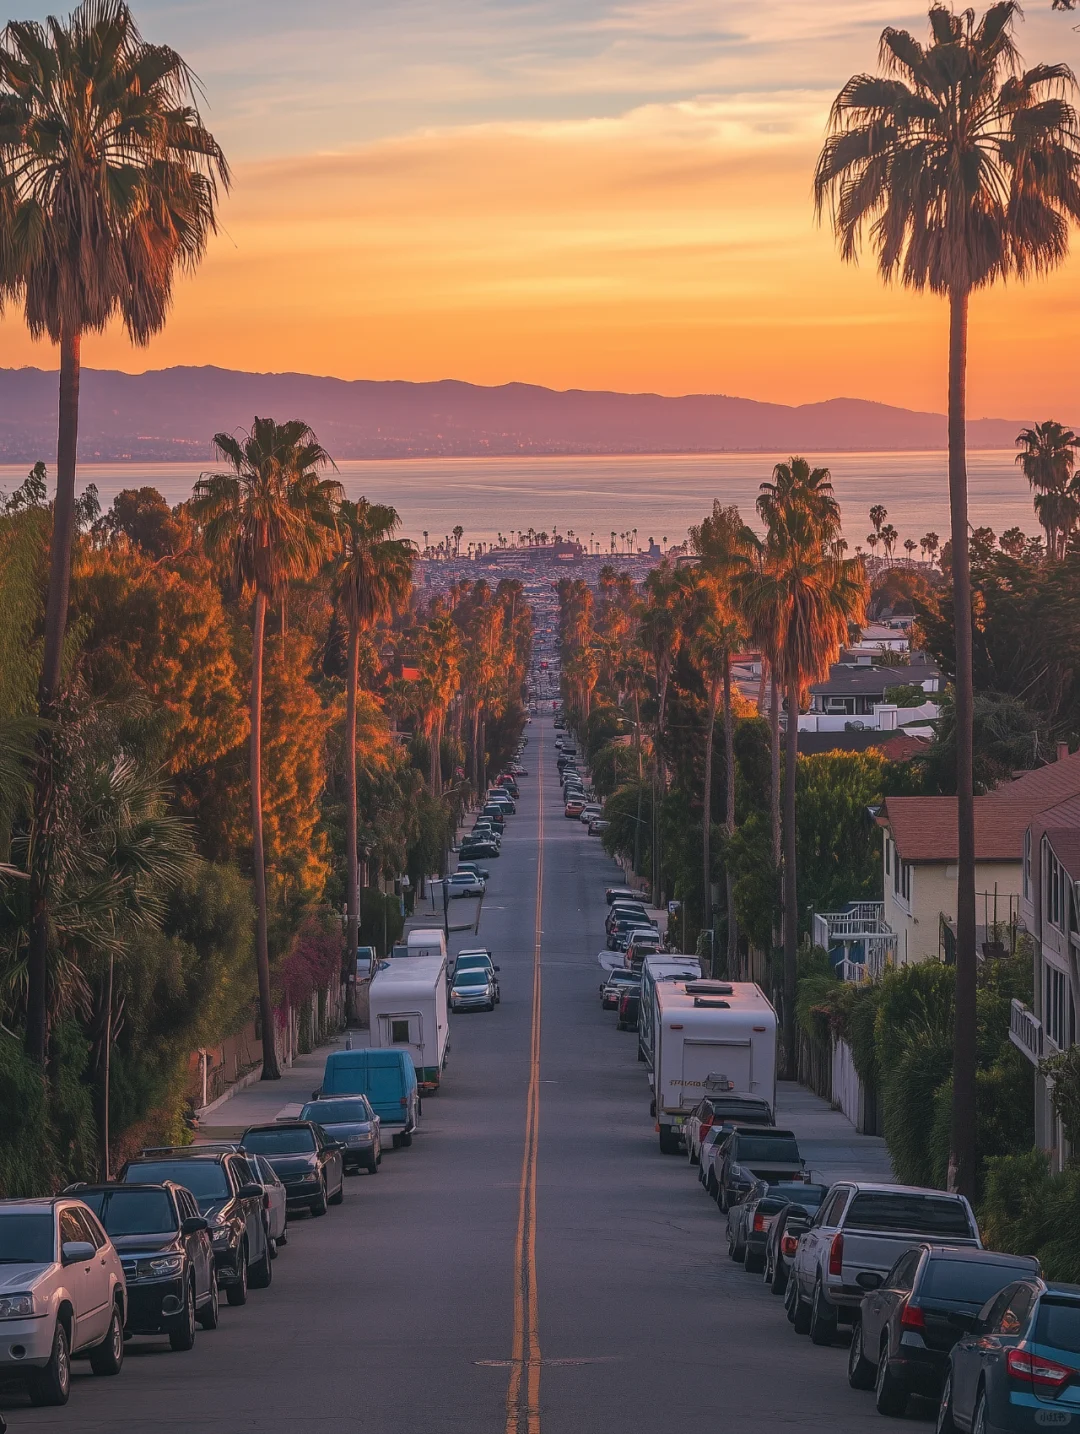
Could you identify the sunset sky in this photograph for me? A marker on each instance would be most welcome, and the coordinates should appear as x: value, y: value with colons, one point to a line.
x: 577, y: 193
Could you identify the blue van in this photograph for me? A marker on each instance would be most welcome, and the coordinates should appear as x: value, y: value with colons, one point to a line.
x: 386, y: 1077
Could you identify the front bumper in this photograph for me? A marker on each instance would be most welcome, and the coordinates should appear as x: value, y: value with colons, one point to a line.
x: 155, y: 1306
x: 473, y: 1003
x: 303, y: 1192
x: 25, y: 1342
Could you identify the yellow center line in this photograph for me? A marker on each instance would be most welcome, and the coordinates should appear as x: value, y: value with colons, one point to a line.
x: 523, y: 1392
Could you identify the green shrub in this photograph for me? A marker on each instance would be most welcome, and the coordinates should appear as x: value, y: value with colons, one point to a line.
x: 26, y: 1165
x: 1028, y: 1211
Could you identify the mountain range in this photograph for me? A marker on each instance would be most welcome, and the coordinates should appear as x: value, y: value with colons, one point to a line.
x: 172, y: 413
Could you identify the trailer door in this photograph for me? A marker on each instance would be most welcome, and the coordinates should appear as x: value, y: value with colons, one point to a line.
x: 404, y: 1030
x: 716, y: 1064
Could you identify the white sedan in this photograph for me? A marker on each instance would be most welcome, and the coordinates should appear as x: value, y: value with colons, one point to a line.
x: 466, y: 883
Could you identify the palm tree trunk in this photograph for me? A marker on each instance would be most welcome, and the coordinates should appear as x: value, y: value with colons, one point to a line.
x: 729, y: 819
x: 791, y: 898
x: 962, y: 1155
x: 270, y: 1070
x: 774, y: 798
x: 352, y: 875
x: 706, y: 818
x: 640, y: 781
x: 56, y: 609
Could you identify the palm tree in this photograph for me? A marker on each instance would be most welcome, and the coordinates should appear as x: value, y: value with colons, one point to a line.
x: 272, y: 518
x: 878, y: 514
x: 889, y: 536
x: 110, y: 185
x: 1047, y: 459
x: 931, y: 543
x: 810, y: 596
x: 372, y: 579
x: 439, y: 659
x: 963, y: 166
x: 909, y: 547
x: 872, y: 540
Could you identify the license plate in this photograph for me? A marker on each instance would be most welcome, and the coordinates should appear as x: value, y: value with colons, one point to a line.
x: 1052, y: 1418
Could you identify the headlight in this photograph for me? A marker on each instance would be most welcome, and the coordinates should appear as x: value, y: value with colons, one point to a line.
x: 20, y: 1306
x: 222, y: 1235
x: 360, y: 1139
x: 166, y: 1264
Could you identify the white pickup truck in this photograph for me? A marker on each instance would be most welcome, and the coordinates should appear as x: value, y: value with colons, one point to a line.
x: 859, y: 1230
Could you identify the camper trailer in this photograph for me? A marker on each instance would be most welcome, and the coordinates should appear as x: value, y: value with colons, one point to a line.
x: 654, y: 969
x: 408, y: 1012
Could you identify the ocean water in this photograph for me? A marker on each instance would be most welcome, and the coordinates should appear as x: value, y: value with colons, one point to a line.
x: 659, y: 495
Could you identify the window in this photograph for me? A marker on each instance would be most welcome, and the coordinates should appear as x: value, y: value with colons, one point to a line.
x: 929, y: 1215
x: 94, y: 1233
x: 1056, y: 886
x: 292, y: 1140
x: 1027, y: 864
x: 1015, y: 1315
x: 888, y: 856
x: 133, y: 1212
x: 71, y: 1230
x: 902, y: 880
x: 902, y: 1276
x: 1058, y: 1014
x: 1059, y: 1324
x: 399, y: 1029
x: 830, y: 1214
x: 26, y: 1238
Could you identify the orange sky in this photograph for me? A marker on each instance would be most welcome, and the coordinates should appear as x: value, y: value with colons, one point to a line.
x: 643, y: 241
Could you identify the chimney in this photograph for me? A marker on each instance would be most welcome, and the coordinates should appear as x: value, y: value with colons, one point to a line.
x: 1062, y: 751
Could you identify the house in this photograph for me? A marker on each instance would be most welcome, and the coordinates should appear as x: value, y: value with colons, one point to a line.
x: 878, y: 637
x: 916, y: 918
x: 1050, y: 912
x: 856, y: 688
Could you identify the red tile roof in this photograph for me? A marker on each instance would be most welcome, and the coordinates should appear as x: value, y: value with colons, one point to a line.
x: 924, y: 828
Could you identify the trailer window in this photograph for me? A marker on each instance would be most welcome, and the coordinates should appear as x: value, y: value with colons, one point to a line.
x: 399, y: 1033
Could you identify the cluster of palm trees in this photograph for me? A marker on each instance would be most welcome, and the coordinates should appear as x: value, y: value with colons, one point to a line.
x: 1047, y: 459
x: 886, y: 534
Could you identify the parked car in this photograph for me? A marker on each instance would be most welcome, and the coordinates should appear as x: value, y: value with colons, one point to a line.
x: 597, y: 826
x: 500, y: 797
x: 229, y: 1197
x: 624, y: 911
x: 573, y: 807
x: 756, y: 1153
x: 350, y: 1120
x: 589, y: 812
x: 308, y: 1162
x: 480, y: 959
x: 277, y: 1202
x: 621, y: 893
x: 366, y: 962
x: 63, y: 1295
x: 910, y: 1319
x: 740, y: 1109
x: 612, y: 988
x: 749, y: 1222
x: 164, y: 1246
x: 517, y: 770
x: 712, y: 1150
x: 485, y: 847
x: 387, y: 1077
x: 784, y: 1233
x: 495, y: 814
x: 629, y: 1005
x: 475, y: 868
x: 474, y: 989
x: 465, y: 883
x: 620, y: 934
x: 859, y: 1230
x: 1017, y: 1368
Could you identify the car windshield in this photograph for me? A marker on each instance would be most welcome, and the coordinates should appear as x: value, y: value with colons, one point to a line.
x: 975, y: 1281
x: 132, y: 1212
x: 204, y: 1178
x: 476, y: 977
x: 914, y: 1214
x: 26, y: 1239
x: 1059, y: 1324
x: 335, y: 1112
x: 292, y: 1140
x: 767, y: 1150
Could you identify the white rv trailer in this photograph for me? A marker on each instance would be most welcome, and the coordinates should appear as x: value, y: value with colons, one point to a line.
x: 711, y: 1037
x: 408, y: 1012
x: 654, y: 969
x: 426, y: 941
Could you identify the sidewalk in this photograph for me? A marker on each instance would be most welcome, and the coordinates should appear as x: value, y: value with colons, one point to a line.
x: 832, y: 1147
x: 266, y: 1099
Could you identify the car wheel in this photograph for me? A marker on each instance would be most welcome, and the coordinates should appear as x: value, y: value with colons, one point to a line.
x: 753, y: 1261
x: 108, y: 1356
x: 210, y: 1312
x: 978, y: 1424
x: 261, y: 1274
x: 318, y: 1205
x: 183, y: 1339
x: 271, y: 1243
x: 789, y: 1300
x: 340, y: 1196
x: 822, y: 1318
x: 860, y: 1370
x: 890, y: 1396
x: 803, y: 1310
x: 52, y: 1385
x: 283, y: 1238
x: 946, y: 1424
x: 779, y: 1281
x: 236, y: 1293
x: 406, y: 1139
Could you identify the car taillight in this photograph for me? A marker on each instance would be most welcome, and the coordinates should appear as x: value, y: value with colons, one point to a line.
x: 404, y: 1100
x: 1033, y: 1369
x: 759, y: 1224
x: 789, y: 1244
x: 912, y: 1317
x: 836, y: 1255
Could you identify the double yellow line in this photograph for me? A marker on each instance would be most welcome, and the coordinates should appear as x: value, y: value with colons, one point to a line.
x: 523, y: 1393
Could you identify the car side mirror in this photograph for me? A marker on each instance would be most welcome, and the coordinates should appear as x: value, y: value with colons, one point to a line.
x: 77, y: 1252
x: 498, y: 968
x: 250, y: 1191
x: 193, y: 1224
x: 869, y: 1280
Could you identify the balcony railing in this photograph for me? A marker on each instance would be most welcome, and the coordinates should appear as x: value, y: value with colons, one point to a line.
x: 1026, y: 1032
x: 865, y: 942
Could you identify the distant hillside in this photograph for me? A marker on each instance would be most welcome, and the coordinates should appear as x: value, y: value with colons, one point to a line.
x: 172, y: 413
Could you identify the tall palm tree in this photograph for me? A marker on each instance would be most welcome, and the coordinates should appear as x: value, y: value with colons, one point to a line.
x: 809, y: 595
x: 963, y: 166
x: 272, y: 517
x: 1047, y: 459
x: 878, y: 514
x: 439, y: 660
x: 108, y: 185
x: 372, y: 580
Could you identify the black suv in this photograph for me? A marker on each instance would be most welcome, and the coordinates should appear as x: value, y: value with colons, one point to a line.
x: 304, y: 1158
x: 232, y: 1201
x: 754, y: 1153
x: 164, y: 1245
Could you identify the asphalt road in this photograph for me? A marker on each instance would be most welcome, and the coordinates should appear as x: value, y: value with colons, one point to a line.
x: 601, y: 1297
